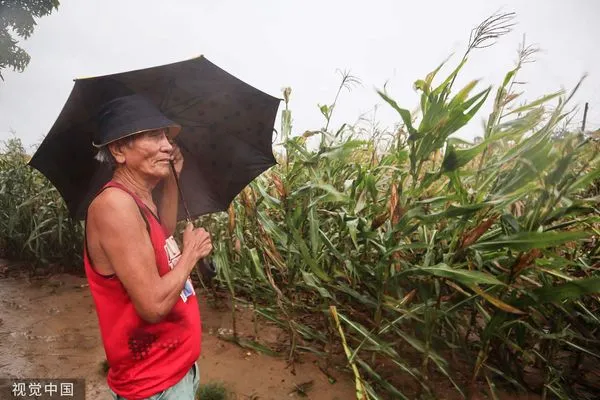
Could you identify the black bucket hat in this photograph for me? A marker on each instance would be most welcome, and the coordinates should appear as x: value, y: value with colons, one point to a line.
x: 127, y: 116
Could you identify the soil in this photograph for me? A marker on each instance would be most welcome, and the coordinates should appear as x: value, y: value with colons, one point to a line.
x: 48, y: 329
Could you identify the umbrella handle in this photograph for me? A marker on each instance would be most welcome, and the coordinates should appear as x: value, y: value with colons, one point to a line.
x: 208, y: 267
x: 187, y: 212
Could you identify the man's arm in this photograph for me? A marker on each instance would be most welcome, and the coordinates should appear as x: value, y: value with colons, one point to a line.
x: 124, y: 239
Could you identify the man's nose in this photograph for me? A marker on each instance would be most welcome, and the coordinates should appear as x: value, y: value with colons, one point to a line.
x: 166, y: 144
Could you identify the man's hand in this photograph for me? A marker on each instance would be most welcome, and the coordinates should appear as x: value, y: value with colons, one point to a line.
x: 196, y: 242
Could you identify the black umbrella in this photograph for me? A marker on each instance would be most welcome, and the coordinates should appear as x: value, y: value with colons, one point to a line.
x: 226, y: 136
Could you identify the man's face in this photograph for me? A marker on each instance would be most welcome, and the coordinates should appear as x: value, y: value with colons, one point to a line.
x: 149, y: 154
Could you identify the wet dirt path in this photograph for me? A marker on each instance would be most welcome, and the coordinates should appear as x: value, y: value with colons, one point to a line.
x: 48, y: 329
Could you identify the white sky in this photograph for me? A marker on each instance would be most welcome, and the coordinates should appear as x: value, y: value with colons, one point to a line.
x: 272, y: 43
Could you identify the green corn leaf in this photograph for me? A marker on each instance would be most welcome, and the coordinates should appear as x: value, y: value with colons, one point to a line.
x: 572, y: 290
x: 536, y: 103
x: 306, y: 256
x: 523, y: 241
x: 404, y: 114
x: 463, y: 276
x: 311, y: 281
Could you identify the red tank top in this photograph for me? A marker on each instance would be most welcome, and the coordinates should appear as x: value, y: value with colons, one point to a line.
x: 144, y: 358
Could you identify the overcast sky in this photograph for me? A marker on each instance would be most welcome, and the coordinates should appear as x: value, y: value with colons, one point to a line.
x: 272, y: 43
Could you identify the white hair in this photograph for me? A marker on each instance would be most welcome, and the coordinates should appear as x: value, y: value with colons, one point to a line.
x: 105, y: 157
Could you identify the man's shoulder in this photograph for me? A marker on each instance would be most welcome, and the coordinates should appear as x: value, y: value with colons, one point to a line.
x: 112, y: 202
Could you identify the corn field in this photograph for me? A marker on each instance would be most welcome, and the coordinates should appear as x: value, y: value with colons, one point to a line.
x: 410, y: 259
x: 34, y: 222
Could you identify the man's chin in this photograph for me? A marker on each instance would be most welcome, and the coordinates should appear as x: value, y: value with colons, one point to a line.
x: 165, y: 174
x: 161, y: 173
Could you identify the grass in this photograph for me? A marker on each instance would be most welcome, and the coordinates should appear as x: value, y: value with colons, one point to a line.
x: 213, y: 391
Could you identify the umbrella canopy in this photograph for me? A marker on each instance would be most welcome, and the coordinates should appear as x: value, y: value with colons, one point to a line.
x: 226, y: 135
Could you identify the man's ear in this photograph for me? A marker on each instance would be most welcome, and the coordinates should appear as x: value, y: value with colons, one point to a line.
x: 116, y: 149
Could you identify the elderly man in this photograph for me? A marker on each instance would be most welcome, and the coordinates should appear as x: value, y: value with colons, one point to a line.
x: 147, y: 310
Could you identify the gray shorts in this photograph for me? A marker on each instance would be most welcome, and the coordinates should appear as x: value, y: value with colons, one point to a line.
x: 185, y: 389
